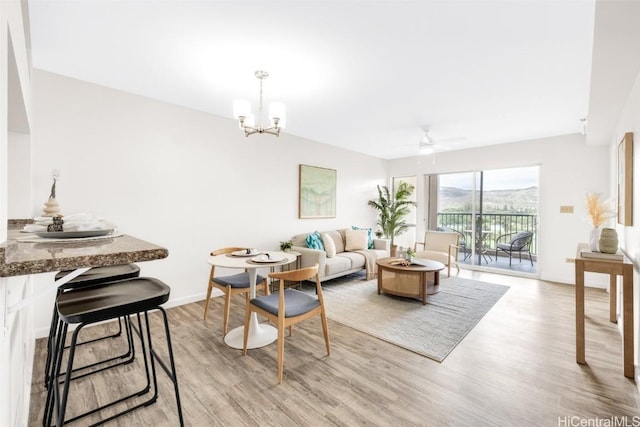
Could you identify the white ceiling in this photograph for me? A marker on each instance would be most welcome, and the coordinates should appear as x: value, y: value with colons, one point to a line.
x: 363, y: 75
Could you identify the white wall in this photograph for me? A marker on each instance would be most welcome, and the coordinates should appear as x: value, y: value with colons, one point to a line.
x: 629, y: 121
x: 568, y: 171
x: 186, y: 180
x: 19, y: 175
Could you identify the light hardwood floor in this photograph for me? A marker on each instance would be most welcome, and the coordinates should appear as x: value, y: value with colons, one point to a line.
x: 516, y: 367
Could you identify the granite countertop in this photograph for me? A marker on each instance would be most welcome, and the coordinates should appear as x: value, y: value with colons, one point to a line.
x: 19, y: 258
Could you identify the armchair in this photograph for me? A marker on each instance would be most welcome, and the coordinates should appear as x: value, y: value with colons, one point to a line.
x: 462, y: 243
x: 441, y: 246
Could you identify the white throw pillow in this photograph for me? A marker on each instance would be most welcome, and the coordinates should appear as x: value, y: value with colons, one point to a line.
x: 329, y: 245
x: 356, y: 240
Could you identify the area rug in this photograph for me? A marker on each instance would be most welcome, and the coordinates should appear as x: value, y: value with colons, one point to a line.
x: 432, y: 330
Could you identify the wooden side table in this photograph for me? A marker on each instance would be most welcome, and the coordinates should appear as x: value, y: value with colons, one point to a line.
x: 613, y: 269
x: 287, y: 267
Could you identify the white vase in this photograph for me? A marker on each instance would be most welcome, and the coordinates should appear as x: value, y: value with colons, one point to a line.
x: 594, y: 239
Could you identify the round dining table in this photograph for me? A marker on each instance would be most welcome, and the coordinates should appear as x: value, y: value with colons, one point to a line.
x: 260, y: 335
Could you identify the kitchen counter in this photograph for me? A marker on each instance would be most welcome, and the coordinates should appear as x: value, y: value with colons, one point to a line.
x: 19, y: 258
x: 20, y: 263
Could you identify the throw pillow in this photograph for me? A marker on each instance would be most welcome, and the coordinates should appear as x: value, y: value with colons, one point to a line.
x: 338, y: 239
x: 369, y: 235
x: 314, y: 241
x: 329, y: 245
x: 356, y: 240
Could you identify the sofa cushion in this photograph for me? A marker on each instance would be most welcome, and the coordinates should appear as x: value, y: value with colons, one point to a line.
x: 314, y: 241
x: 329, y: 245
x: 337, y: 265
x: 356, y: 240
x: 369, y: 235
x: 356, y: 260
x: 381, y: 253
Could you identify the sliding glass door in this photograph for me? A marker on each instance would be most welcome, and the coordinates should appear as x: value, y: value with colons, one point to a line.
x: 488, y: 209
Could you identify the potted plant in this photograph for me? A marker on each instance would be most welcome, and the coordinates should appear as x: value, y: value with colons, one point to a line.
x: 392, y: 211
x: 286, y: 245
x: 411, y: 254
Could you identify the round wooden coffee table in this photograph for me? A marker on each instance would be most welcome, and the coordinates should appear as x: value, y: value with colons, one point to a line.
x: 417, y: 280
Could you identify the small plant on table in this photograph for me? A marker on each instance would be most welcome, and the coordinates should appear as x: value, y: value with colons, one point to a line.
x: 286, y: 245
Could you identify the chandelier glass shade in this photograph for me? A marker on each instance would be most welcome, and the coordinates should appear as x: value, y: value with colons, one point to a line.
x: 277, y: 113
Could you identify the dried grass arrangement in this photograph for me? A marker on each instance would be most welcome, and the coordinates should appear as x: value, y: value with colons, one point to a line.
x: 598, y: 211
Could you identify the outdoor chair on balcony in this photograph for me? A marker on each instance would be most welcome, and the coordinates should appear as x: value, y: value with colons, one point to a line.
x: 515, y: 242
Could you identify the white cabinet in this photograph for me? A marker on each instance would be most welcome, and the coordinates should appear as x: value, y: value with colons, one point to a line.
x: 17, y: 343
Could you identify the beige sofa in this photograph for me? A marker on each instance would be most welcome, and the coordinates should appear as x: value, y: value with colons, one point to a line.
x: 344, y: 261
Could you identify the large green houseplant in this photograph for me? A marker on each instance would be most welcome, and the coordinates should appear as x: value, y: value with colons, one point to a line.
x: 393, y: 210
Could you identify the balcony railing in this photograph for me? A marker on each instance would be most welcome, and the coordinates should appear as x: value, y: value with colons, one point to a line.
x: 495, y: 224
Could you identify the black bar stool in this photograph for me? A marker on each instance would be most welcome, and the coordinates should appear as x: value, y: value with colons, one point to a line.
x: 85, y: 306
x: 92, y: 277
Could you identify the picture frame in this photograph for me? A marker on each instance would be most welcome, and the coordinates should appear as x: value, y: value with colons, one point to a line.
x: 317, y: 195
x: 625, y: 180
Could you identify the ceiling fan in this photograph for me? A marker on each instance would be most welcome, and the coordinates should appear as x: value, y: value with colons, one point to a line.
x: 428, y: 144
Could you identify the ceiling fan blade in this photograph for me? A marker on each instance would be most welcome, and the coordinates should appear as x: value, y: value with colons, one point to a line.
x: 452, y: 139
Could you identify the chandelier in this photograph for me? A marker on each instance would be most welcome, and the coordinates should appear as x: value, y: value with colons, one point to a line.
x: 242, y: 112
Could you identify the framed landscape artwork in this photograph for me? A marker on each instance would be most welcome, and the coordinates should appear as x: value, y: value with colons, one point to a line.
x: 625, y: 180
x: 317, y: 198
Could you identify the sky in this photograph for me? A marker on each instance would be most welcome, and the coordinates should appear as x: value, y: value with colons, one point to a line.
x: 497, y: 179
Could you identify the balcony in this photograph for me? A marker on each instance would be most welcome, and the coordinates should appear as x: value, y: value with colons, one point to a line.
x: 492, y: 226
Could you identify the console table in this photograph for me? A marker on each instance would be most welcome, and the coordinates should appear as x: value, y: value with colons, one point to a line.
x: 613, y: 269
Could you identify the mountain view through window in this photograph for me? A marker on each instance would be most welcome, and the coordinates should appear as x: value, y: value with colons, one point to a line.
x: 503, y: 191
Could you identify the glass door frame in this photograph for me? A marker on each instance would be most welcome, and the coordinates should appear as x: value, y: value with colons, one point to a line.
x: 431, y: 218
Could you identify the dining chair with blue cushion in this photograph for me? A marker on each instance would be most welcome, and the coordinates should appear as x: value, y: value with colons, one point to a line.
x: 288, y: 307
x: 231, y: 285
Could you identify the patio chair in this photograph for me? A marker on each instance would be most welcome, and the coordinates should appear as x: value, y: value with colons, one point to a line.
x: 515, y: 242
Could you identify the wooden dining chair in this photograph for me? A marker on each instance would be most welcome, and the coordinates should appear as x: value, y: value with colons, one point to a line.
x: 288, y: 307
x: 231, y: 285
